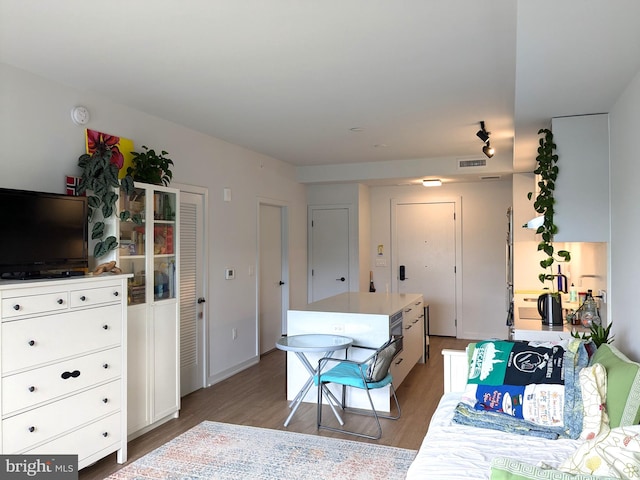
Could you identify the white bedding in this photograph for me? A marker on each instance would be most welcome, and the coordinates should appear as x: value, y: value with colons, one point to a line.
x: 452, y: 451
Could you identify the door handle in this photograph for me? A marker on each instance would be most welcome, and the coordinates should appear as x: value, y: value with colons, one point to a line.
x: 341, y: 279
x: 201, y: 300
x: 280, y: 282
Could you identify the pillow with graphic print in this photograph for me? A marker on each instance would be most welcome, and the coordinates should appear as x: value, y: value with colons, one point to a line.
x: 503, y: 468
x: 623, y: 385
x: 615, y: 453
x: 593, y: 387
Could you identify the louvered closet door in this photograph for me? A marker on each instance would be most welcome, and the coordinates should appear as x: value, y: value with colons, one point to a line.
x: 192, y: 307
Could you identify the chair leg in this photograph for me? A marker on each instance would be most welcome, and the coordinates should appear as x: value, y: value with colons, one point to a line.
x: 373, y: 413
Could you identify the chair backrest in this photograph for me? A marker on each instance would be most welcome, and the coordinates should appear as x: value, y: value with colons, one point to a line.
x: 380, y: 361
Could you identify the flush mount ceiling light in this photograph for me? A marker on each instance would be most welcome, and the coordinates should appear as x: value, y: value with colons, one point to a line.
x: 488, y: 150
x: 432, y: 183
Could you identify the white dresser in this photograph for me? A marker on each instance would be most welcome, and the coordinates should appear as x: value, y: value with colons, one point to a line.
x: 63, y: 366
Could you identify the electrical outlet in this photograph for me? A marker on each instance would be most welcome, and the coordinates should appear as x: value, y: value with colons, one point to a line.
x: 603, y: 295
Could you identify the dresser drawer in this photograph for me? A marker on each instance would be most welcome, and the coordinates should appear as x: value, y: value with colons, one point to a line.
x: 37, y: 386
x: 87, y: 297
x: 85, y: 441
x: 41, y: 424
x: 23, y: 305
x: 34, y: 341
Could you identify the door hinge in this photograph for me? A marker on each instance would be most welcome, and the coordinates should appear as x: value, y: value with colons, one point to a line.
x: 312, y: 272
x: 454, y: 215
x: 455, y: 269
x: 311, y: 223
x: 455, y: 322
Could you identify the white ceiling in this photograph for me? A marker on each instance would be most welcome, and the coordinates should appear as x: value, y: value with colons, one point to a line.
x: 290, y: 78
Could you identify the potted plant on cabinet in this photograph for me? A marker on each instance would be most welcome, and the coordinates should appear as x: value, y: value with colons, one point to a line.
x: 151, y: 167
x: 547, y: 169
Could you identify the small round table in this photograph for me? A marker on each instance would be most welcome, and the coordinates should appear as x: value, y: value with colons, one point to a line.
x: 312, y: 343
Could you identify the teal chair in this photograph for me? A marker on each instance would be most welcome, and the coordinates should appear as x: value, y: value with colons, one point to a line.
x: 367, y: 375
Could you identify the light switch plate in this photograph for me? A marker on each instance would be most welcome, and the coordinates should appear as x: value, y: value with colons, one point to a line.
x: 229, y: 273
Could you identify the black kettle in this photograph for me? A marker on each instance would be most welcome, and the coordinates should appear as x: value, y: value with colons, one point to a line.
x: 550, y: 309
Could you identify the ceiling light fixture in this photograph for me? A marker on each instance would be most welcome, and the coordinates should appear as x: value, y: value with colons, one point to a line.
x: 432, y: 183
x: 488, y: 150
x: 482, y: 133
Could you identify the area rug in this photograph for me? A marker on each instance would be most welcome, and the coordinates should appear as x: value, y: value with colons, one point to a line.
x: 213, y: 450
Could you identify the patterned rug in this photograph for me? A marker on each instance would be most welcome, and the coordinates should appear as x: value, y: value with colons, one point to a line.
x: 214, y: 450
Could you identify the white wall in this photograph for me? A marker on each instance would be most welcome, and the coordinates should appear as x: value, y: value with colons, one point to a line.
x: 483, y: 263
x: 41, y: 145
x: 625, y: 226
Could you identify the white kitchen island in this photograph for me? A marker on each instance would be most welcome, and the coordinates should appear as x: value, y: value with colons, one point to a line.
x: 366, y: 318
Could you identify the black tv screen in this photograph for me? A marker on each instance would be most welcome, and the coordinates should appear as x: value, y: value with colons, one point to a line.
x: 43, y: 234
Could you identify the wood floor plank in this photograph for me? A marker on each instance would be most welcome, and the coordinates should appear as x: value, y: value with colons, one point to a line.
x: 257, y: 397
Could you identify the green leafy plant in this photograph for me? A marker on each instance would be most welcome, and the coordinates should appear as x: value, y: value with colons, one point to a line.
x: 597, y: 334
x: 547, y: 169
x: 100, y: 181
x: 151, y: 167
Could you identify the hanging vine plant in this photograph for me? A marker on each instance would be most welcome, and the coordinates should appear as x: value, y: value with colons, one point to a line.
x: 544, y: 204
x: 100, y: 180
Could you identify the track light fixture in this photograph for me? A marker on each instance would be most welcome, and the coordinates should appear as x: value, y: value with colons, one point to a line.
x: 488, y: 150
x: 482, y: 133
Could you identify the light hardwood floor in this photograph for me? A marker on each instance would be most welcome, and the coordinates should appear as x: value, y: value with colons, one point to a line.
x: 257, y: 397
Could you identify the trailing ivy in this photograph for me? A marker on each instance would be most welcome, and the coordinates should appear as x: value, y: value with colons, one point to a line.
x: 544, y: 204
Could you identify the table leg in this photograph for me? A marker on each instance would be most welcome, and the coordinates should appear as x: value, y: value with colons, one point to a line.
x: 307, y: 386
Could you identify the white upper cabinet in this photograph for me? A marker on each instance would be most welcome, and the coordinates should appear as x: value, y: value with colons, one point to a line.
x: 582, y: 188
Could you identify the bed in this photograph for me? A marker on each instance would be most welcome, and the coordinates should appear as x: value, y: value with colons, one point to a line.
x: 454, y: 451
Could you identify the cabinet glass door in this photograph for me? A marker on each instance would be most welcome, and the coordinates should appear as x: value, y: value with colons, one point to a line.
x: 164, y: 245
x: 132, y: 244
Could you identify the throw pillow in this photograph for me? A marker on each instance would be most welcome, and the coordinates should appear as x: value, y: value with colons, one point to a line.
x: 593, y: 387
x: 615, y: 453
x: 503, y: 468
x: 623, y: 385
x: 380, y: 363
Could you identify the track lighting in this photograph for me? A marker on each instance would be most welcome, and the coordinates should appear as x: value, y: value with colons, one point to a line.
x: 482, y: 133
x: 488, y: 150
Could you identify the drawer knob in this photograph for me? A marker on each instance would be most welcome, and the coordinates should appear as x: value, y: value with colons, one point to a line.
x: 105, y: 326
x: 32, y: 388
x: 105, y: 434
x: 60, y: 301
x: 83, y: 298
x: 106, y: 365
x: 16, y: 307
x: 32, y: 343
x: 105, y: 400
x: 74, y: 374
x: 32, y: 429
x: 116, y: 293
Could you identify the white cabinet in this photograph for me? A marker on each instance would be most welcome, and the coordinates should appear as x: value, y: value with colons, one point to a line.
x: 63, y: 366
x: 413, y: 341
x: 149, y: 253
x: 582, y: 187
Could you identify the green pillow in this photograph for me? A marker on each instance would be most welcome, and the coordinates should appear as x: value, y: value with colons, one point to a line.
x: 503, y: 468
x: 623, y: 386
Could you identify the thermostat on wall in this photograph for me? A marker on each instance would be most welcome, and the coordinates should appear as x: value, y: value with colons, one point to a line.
x: 229, y: 274
x: 80, y: 115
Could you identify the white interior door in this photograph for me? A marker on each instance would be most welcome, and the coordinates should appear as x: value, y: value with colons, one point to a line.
x: 271, y: 277
x: 329, y: 259
x: 192, y: 285
x: 426, y: 248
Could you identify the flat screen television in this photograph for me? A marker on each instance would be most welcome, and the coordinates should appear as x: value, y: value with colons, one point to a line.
x: 42, y: 234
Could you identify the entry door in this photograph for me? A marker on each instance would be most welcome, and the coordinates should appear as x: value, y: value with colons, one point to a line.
x: 272, y: 282
x: 192, y: 284
x: 426, y: 248
x: 329, y: 260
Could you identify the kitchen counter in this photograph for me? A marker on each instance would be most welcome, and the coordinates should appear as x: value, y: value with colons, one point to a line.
x: 527, y: 329
x: 365, y: 303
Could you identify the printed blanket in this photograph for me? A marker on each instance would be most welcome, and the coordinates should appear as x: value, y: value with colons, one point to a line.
x: 531, y: 388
